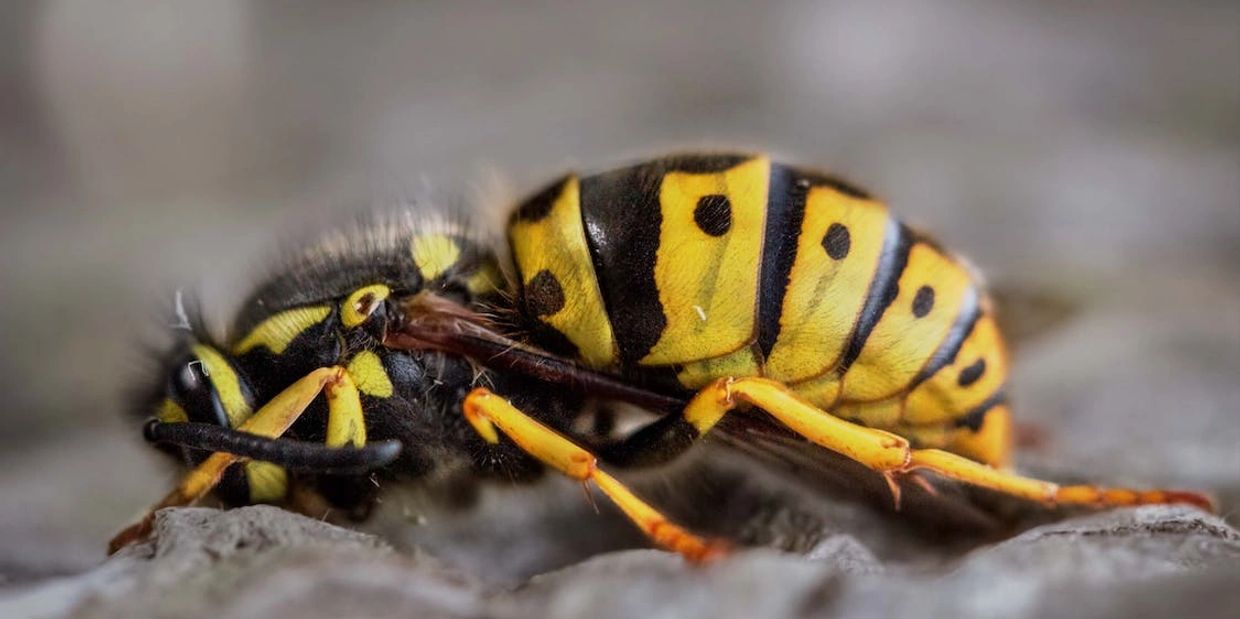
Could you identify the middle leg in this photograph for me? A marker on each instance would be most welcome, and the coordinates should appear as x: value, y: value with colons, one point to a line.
x: 487, y: 411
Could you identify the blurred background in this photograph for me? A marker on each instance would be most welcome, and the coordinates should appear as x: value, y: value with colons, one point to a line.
x: 1088, y: 153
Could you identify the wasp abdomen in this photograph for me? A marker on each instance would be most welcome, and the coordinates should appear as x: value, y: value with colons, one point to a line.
x: 731, y: 265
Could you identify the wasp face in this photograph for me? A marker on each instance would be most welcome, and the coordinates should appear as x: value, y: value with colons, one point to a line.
x: 202, y: 386
x: 190, y: 394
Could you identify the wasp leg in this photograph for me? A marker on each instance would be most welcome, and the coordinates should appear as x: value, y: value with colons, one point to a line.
x: 486, y: 411
x: 891, y: 455
x: 963, y: 469
x: 345, y: 425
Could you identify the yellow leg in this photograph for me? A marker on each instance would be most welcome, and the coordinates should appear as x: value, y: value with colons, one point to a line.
x: 345, y: 423
x: 891, y: 455
x: 272, y: 420
x: 486, y: 411
x: 957, y: 467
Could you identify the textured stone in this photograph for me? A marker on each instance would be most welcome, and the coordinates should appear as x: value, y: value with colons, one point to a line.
x: 262, y: 561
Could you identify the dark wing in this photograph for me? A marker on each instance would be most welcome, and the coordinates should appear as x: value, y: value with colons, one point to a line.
x: 430, y: 322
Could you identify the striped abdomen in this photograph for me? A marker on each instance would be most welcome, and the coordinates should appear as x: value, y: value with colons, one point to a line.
x: 722, y: 265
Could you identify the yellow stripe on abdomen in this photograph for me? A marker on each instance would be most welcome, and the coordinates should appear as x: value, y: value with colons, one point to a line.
x: 978, y: 372
x: 560, y: 286
x: 931, y: 291
x: 837, y: 256
x: 709, y: 260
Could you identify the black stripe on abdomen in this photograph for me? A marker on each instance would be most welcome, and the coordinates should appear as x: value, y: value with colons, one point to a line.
x: 883, y: 289
x: 622, y: 218
x: 785, y: 211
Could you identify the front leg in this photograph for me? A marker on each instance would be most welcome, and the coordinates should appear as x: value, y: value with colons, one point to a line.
x: 345, y: 426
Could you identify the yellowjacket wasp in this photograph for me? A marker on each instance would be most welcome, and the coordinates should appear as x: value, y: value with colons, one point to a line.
x: 692, y: 286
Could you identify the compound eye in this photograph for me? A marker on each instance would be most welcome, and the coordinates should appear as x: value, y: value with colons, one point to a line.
x: 190, y: 378
x: 190, y: 387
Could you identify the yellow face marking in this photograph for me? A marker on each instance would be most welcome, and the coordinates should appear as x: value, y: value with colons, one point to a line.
x: 226, y: 383
x: 368, y: 373
x: 931, y: 291
x: 362, y: 303
x: 434, y: 254
x: 268, y: 482
x: 698, y: 374
x: 708, y: 262
x: 170, y: 412
x: 979, y: 370
x: 838, y: 252
x: 552, y: 250
x: 277, y: 332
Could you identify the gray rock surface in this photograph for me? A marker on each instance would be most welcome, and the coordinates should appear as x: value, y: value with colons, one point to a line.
x: 265, y: 562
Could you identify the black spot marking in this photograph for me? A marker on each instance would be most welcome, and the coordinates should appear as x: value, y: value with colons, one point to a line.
x: 713, y: 214
x: 837, y: 241
x: 923, y: 301
x: 543, y: 295
x: 971, y: 374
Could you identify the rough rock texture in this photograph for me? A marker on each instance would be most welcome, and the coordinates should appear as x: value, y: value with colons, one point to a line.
x: 262, y: 561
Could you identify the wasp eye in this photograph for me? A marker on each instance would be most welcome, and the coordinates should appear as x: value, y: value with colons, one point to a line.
x: 190, y: 387
x: 190, y: 378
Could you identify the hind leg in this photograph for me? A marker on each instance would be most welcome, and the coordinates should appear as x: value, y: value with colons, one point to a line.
x: 886, y: 453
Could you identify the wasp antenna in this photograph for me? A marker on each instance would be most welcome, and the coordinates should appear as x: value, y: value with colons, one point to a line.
x: 289, y: 453
x: 182, y: 317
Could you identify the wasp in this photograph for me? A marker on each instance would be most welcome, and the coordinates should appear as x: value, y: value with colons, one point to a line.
x: 697, y: 287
